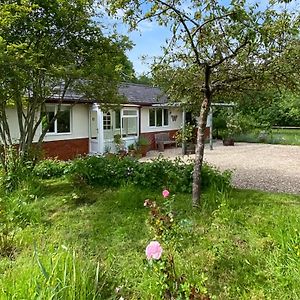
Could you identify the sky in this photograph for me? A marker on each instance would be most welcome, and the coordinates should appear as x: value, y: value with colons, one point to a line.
x: 150, y: 37
x: 147, y: 42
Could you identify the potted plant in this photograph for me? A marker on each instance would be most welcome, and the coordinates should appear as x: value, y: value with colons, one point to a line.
x: 132, y: 151
x: 142, y: 145
x: 232, y: 129
x: 186, y: 136
x: 119, y: 144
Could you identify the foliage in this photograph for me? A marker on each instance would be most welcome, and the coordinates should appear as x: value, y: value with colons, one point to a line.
x: 166, y: 228
x: 217, y: 49
x: 59, y: 273
x: 49, y: 49
x: 119, y: 143
x: 271, y: 107
x: 273, y: 136
x: 16, y: 172
x: 244, y: 245
x: 143, y: 79
x: 51, y: 168
x: 233, y: 126
x: 142, y: 141
x: 186, y: 134
x: 113, y: 171
x: 15, y: 215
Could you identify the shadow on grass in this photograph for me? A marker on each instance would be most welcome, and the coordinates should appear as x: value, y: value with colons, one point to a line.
x: 52, y: 188
x: 250, y: 198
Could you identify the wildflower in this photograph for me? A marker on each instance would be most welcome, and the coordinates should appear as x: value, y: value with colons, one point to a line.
x: 154, y: 250
x: 165, y: 193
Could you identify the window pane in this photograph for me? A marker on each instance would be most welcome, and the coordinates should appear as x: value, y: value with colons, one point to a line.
x: 166, y: 117
x: 130, y: 126
x: 106, y: 121
x: 151, y: 117
x: 129, y: 112
x: 64, y: 120
x: 159, y: 117
x: 117, y: 119
x: 47, y: 117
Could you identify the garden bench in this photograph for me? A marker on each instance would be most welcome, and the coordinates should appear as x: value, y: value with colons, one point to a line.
x: 162, y: 139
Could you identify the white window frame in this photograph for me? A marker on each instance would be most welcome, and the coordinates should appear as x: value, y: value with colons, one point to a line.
x: 155, y: 116
x: 124, y: 116
x: 107, y: 117
x: 55, y: 122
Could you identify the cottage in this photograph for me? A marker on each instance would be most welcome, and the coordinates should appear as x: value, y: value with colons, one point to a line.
x: 83, y: 128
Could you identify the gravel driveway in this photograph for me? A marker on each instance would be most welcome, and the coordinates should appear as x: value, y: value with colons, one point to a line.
x: 255, y: 166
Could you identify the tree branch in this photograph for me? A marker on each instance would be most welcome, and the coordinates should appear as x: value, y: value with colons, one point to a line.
x: 200, y: 27
x: 181, y: 17
x: 233, y: 54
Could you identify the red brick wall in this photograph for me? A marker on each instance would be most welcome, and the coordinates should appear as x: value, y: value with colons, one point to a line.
x: 151, y: 136
x: 67, y: 149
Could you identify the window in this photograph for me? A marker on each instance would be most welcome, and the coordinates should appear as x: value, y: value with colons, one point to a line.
x: 129, y: 122
x: 152, y: 117
x: 117, y: 119
x: 166, y: 117
x: 62, y: 124
x: 107, y: 121
x: 158, y: 117
x: 63, y: 120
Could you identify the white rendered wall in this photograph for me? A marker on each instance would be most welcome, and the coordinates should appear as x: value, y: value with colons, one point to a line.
x: 79, y: 125
x: 12, y: 118
x: 173, y: 124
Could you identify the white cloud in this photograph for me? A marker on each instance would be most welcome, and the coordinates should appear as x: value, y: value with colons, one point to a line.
x: 146, y: 26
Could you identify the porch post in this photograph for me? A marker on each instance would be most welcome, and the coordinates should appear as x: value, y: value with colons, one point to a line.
x: 183, y: 146
x: 100, y: 131
x: 211, y: 128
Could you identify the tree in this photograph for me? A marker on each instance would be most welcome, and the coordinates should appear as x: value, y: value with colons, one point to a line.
x: 215, y: 49
x: 48, y: 48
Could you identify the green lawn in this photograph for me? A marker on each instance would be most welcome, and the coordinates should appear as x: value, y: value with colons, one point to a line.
x: 84, y: 243
x: 276, y: 136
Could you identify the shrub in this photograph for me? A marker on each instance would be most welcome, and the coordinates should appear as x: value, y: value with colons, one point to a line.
x: 113, y: 171
x: 16, y: 171
x: 163, y: 253
x: 51, y: 168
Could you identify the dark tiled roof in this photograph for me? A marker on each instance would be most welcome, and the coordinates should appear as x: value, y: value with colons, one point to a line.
x: 142, y: 94
x: 134, y: 93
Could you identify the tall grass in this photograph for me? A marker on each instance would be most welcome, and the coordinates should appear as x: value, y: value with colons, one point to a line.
x: 54, y: 274
x: 241, y: 245
x: 275, y: 136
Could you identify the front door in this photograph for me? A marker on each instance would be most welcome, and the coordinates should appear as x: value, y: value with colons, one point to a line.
x: 94, y: 131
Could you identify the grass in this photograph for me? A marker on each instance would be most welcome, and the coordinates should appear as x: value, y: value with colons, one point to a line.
x: 276, y: 136
x: 90, y: 241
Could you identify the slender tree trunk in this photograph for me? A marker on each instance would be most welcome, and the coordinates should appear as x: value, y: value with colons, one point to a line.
x: 199, y: 153
x: 196, y: 194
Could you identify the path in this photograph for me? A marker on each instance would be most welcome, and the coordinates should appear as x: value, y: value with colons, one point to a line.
x: 255, y: 166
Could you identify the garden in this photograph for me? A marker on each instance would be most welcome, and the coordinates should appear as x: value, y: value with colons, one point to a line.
x: 71, y: 231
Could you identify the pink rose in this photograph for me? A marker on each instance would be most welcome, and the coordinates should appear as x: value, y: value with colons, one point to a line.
x: 165, y: 193
x: 154, y: 250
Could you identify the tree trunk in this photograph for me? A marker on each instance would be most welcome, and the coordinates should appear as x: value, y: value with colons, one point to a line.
x: 199, y: 153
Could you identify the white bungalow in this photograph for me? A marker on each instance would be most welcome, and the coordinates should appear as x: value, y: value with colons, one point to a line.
x: 83, y: 128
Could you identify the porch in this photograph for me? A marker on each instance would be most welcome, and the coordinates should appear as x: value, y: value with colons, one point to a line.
x: 113, y: 129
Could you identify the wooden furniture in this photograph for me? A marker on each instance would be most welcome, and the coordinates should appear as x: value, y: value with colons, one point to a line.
x: 162, y: 139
